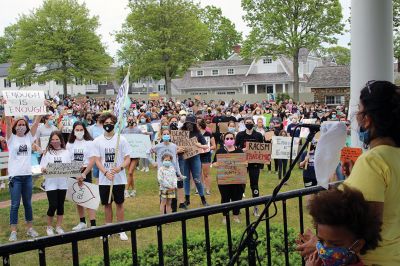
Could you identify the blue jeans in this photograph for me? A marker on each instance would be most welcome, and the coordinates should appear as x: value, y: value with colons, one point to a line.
x: 192, y: 168
x: 95, y: 171
x: 21, y: 186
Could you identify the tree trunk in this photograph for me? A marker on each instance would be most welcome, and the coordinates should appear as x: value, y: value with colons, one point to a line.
x: 168, y: 83
x: 296, y: 76
x: 64, y: 80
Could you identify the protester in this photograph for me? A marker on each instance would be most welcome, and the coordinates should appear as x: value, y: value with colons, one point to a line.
x: 282, y: 163
x: 307, y: 164
x: 45, y: 129
x: 167, y: 180
x: 144, y: 122
x: 112, y: 160
x: 205, y: 157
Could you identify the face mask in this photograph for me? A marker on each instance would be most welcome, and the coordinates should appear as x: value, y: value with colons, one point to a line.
x: 20, y: 130
x: 108, y: 127
x: 79, y: 134
x: 56, y: 144
x: 231, y: 129
x: 167, y: 163
x: 142, y: 120
x: 275, y: 115
x: 166, y: 138
x: 363, y: 135
x: 229, y: 142
x: 51, y: 122
x: 333, y: 116
x: 335, y: 256
x: 131, y: 123
x: 249, y: 126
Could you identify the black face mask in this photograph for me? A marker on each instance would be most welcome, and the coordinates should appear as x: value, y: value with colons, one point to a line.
x: 108, y: 127
x: 249, y: 126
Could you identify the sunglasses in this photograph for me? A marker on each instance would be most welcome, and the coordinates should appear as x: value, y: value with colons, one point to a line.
x: 229, y: 138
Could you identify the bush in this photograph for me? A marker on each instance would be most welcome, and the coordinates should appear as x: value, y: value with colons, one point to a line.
x: 281, y: 97
x: 173, y: 254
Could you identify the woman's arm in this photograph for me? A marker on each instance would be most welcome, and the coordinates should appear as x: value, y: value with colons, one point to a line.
x: 213, y: 145
x: 9, y: 127
x: 35, y: 125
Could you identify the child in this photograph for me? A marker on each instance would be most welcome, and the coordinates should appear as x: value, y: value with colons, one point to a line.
x: 346, y: 227
x: 167, y: 179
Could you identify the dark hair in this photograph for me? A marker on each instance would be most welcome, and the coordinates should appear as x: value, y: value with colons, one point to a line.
x: 195, y: 127
x: 248, y: 118
x: 49, y: 147
x: 203, y: 124
x: 165, y: 155
x: 106, y: 116
x: 144, y: 116
x: 347, y: 208
x: 226, y: 134
x: 381, y: 102
x: 86, y: 135
x: 14, y: 131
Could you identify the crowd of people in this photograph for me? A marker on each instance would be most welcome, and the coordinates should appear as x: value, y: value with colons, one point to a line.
x: 85, y: 130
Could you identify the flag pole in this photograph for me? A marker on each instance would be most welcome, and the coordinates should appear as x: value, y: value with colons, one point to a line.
x: 119, y: 122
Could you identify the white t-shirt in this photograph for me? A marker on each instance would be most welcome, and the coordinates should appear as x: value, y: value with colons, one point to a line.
x: 81, y: 151
x: 19, y: 155
x: 61, y: 156
x: 105, y: 150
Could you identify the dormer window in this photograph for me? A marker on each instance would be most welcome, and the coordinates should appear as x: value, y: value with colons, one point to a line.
x: 231, y: 71
x: 200, y: 73
x: 267, y: 61
x: 215, y: 72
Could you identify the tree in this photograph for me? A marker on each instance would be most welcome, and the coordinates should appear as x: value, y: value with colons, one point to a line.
x: 58, y: 41
x: 282, y: 27
x: 7, y: 42
x: 223, y: 34
x: 162, y: 38
x: 396, y: 29
x: 340, y: 53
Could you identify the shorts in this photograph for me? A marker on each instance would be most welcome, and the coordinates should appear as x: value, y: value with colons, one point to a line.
x: 167, y: 194
x: 117, y: 194
x: 309, y: 182
x: 205, y: 157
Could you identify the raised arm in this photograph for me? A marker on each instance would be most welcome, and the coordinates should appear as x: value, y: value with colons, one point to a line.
x: 35, y: 125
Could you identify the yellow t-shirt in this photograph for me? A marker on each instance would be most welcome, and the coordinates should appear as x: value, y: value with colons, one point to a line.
x: 377, y: 175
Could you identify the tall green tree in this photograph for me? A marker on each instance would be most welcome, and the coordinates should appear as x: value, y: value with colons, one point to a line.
x: 282, y: 27
x: 7, y: 42
x: 396, y: 29
x: 162, y: 38
x: 223, y: 34
x: 58, y: 41
x: 340, y: 53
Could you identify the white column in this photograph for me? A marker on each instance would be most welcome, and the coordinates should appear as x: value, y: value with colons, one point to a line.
x: 274, y: 90
x: 284, y: 90
x: 255, y: 89
x: 371, y: 48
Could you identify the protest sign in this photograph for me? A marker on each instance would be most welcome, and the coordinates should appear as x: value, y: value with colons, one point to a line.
x: 154, y: 97
x: 208, y: 140
x: 351, y: 154
x: 140, y: 145
x: 305, y: 131
x: 181, y: 139
x: 67, y: 125
x: 269, y: 135
x: 264, y: 119
x: 143, y: 128
x: 231, y: 169
x: 21, y: 103
x: 87, y: 195
x: 281, y: 147
x: 191, y: 149
x: 258, y: 152
x: 156, y: 127
x: 63, y: 169
x: 43, y: 142
x: 223, y: 127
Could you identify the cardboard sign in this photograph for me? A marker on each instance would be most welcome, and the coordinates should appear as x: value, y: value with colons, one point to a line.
x: 191, y: 149
x: 281, y: 147
x: 258, y: 152
x: 43, y: 142
x: 63, y: 169
x: 67, y: 125
x: 231, y: 169
x: 87, y: 195
x: 181, y: 139
x: 351, y: 154
x: 156, y: 127
x: 223, y: 127
x: 140, y: 145
x: 154, y: 97
x: 305, y: 131
x: 21, y: 103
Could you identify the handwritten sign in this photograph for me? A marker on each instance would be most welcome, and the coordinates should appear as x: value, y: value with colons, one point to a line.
x: 223, y: 127
x: 258, y: 152
x: 181, y: 139
x: 281, y: 147
x: 67, y: 125
x: 87, y: 195
x: 140, y: 145
x: 156, y: 127
x: 351, y: 154
x: 143, y: 128
x: 63, y: 169
x: 231, y: 169
x: 20, y: 103
x: 43, y: 142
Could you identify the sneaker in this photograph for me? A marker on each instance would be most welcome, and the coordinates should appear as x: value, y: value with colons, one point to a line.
x: 255, y: 212
x: 187, y: 203
x: 146, y: 169
x: 42, y: 187
x: 236, y: 219
x: 132, y: 193
x: 50, y: 230
x: 32, y: 233
x: 13, y: 236
x: 80, y: 226
x: 205, y: 204
x: 142, y: 170
x: 208, y: 192
x: 183, y: 206
x: 244, y: 195
x: 196, y: 192
x: 59, y: 230
x: 123, y: 236
x: 126, y: 193
x: 137, y: 168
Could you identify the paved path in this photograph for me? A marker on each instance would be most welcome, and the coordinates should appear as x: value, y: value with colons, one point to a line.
x: 35, y: 197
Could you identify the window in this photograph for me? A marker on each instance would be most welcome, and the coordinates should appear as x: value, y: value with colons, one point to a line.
x: 78, y: 81
x: 221, y: 92
x: 251, y: 89
x: 7, y: 83
x: 270, y: 89
x: 231, y: 71
x: 334, y: 99
x: 199, y: 73
x: 215, y: 72
x: 230, y: 93
x: 41, y: 82
x: 261, y: 89
x: 58, y: 82
x: 103, y: 82
x: 161, y: 87
x: 267, y: 61
x: 198, y: 93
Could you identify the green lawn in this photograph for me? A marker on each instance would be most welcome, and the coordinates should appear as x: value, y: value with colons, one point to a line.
x: 145, y: 204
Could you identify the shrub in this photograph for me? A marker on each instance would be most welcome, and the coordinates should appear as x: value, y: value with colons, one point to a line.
x: 281, y: 97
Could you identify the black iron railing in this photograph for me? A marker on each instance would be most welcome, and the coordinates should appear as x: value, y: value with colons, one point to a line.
x: 73, y: 238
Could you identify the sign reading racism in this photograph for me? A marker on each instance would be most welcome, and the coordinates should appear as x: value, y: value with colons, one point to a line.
x: 20, y: 103
x: 181, y: 139
x: 140, y: 145
x: 258, y: 152
x: 281, y: 147
x: 87, y: 195
x: 231, y: 169
x: 63, y: 169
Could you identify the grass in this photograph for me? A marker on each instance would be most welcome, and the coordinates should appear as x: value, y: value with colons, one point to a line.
x: 144, y: 205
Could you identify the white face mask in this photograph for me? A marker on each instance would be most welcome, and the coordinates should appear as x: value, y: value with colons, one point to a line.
x: 79, y: 134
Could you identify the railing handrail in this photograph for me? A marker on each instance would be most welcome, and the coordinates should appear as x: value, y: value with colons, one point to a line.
x: 69, y: 237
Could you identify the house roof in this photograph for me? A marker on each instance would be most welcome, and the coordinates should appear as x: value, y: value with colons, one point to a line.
x: 4, y: 69
x: 227, y: 81
x: 333, y: 76
x: 222, y: 63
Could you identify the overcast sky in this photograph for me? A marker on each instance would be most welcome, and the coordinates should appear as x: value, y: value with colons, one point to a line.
x: 113, y: 13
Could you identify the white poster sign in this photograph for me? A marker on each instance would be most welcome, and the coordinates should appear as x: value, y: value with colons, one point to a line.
x: 305, y: 131
x: 156, y: 127
x: 143, y: 128
x: 87, y: 195
x: 43, y: 142
x: 63, y: 169
x: 281, y: 147
x: 264, y: 119
x: 140, y: 145
x: 21, y: 103
x: 67, y: 125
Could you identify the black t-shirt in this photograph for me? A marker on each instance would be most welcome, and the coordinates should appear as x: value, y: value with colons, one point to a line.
x: 309, y: 173
x: 205, y: 135
x: 242, y: 138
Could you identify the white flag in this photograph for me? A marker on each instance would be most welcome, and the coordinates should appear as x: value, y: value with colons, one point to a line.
x: 122, y: 94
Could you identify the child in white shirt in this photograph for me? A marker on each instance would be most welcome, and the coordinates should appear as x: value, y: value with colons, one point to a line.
x: 167, y: 179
